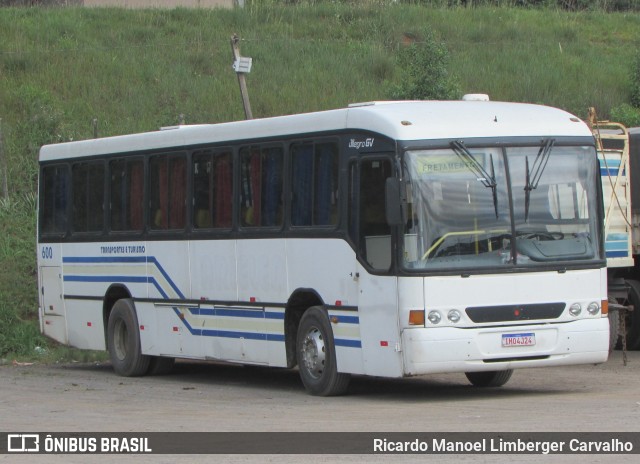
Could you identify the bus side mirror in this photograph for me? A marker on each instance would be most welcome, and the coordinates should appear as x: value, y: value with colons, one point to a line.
x: 394, y: 205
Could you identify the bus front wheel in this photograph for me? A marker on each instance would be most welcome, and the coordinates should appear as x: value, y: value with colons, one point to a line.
x: 123, y: 340
x: 489, y: 379
x: 317, y: 357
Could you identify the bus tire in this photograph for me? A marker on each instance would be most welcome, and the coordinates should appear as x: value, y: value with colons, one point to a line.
x: 316, y: 355
x: 489, y: 379
x: 159, y: 365
x: 123, y: 340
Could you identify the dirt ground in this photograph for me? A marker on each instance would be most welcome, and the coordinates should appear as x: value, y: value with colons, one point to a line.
x: 221, y: 397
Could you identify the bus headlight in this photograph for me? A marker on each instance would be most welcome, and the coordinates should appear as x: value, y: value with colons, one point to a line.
x: 593, y: 308
x: 453, y: 315
x: 575, y: 309
x: 434, y: 317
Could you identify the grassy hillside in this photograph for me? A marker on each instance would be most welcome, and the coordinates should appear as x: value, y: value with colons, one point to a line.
x: 139, y: 70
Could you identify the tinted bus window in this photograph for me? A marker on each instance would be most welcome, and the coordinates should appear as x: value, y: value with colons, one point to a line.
x: 261, y: 186
x: 314, y: 184
x: 375, y: 233
x: 88, y: 197
x: 212, y: 189
x: 167, y: 192
x: 127, y: 191
x: 53, y: 205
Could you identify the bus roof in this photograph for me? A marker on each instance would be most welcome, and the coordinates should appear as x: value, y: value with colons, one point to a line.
x: 405, y: 120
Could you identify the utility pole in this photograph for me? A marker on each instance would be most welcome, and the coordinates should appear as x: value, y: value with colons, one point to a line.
x: 242, y: 66
x: 3, y: 166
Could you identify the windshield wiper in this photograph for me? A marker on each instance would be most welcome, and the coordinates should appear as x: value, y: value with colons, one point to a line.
x: 488, y: 180
x: 533, y: 179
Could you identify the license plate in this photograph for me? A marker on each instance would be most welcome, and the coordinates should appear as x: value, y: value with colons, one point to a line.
x: 521, y: 339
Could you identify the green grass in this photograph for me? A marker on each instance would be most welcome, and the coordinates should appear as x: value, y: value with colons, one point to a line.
x: 139, y: 70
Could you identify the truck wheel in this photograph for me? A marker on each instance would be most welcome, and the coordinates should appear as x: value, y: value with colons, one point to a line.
x: 123, y: 340
x: 633, y: 318
x: 614, y: 329
x: 489, y: 379
x: 316, y: 355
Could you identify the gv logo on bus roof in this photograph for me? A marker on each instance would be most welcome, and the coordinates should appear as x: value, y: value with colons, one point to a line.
x: 358, y: 144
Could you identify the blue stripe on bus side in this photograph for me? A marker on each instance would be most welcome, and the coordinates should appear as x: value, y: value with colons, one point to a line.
x: 117, y: 280
x: 256, y: 314
x: 104, y: 259
x: 110, y: 278
x: 153, y: 260
x: 348, y: 343
x: 273, y: 315
x: 197, y: 311
x: 247, y: 335
x: 347, y: 319
x: 124, y: 260
x: 193, y: 331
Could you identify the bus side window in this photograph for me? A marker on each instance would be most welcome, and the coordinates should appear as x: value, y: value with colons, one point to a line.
x: 301, y: 184
x: 375, y: 233
x: 55, y: 185
x: 314, y: 184
x: 127, y: 190
x: 88, y: 197
x: 261, y: 186
x: 212, y: 189
x: 167, y: 194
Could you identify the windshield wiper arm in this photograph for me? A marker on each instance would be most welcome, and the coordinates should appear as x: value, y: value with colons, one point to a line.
x: 488, y: 180
x: 533, y: 179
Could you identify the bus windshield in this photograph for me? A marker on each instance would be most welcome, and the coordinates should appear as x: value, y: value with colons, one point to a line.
x: 488, y: 207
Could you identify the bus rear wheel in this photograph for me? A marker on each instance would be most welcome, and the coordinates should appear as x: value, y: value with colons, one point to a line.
x: 317, y: 357
x: 489, y: 379
x: 159, y: 365
x: 123, y: 341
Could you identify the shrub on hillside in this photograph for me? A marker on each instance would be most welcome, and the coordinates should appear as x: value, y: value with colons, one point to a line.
x: 629, y: 114
x: 626, y: 114
x: 423, y: 71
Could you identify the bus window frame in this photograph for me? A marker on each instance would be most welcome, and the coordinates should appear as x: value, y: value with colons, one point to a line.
x: 71, y: 216
x: 340, y: 155
x: 167, y: 232
x: 354, y: 236
x: 260, y: 230
x: 54, y: 236
x: 131, y: 233
x: 212, y: 150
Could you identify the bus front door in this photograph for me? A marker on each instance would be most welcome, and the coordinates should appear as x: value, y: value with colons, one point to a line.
x: 377, y: 290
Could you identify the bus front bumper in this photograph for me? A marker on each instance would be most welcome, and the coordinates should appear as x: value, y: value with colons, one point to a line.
x: 451, y: 349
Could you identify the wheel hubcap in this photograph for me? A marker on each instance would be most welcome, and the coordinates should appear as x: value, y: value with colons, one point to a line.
x: 313, y: 352
x: 120, y: 340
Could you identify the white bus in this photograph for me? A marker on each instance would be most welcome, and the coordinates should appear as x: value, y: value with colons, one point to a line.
x: 388, y: 239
